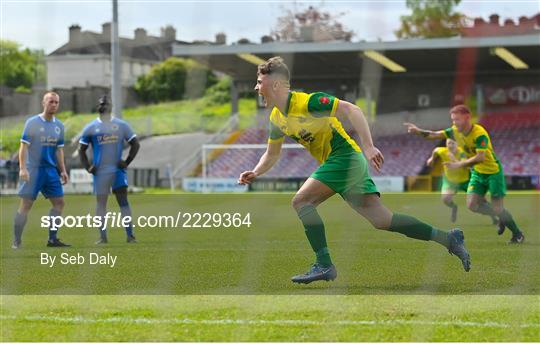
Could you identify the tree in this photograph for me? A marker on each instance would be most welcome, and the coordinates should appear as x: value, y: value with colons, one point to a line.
x: 220, y: 92
x: 310, y: 24
x: 431, y: 18
x: 174, y: 79
x: 20, y: 67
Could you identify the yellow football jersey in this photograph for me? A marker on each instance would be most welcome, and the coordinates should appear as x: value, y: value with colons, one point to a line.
x: 310, y: 120
x: 455, y: 175
x: 477, y: 139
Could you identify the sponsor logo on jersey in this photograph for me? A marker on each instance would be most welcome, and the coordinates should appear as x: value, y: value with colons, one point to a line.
x: 306, y: 135
x: 106, y: 138
x: 48, y: 141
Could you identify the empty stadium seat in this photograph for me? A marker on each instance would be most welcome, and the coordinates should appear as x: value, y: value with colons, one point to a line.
x: 514, y: 135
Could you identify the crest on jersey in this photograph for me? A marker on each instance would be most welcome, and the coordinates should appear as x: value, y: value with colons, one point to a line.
x: 57, y: 130
x: 42, y: 129
x: 324, y: 100
x: 482, y: 142
x: 114, y: 127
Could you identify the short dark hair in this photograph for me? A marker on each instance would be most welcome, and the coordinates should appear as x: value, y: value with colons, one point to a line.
x: 103, y: 104
x: 461, y: 110
x: 274, y: 66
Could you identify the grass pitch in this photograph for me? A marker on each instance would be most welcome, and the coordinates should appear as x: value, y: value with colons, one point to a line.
x: 219, y: 284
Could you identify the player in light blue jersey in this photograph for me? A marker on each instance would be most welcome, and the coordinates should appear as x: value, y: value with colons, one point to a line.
x: 42, y: 168
x: 107, y: 135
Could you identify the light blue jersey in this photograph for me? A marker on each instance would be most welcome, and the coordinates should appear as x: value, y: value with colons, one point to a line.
x: 107, y: 140
x: 42, y: 137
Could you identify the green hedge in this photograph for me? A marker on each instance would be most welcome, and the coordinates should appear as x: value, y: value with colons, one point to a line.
x: 158, y: 119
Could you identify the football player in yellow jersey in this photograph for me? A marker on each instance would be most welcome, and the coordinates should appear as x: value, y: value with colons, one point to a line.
x: 454, y: 180
x: 310, y: 119
x: 487, y: 172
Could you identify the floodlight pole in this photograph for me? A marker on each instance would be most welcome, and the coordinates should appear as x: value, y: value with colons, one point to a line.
x: 479, y: 100
x: 116, y: 86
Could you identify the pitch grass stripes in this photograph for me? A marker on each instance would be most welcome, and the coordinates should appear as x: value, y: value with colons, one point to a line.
x: 255, y: 322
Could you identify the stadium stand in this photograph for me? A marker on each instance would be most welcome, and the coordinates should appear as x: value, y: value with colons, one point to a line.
x: 405, y: 156
x: 514, y: 134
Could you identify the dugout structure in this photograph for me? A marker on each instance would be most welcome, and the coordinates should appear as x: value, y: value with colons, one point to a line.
x: 436, y: 72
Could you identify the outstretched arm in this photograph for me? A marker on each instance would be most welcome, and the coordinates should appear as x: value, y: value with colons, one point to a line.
x: 427, y: 134
x: 360, y: 124
x: 268, y: 159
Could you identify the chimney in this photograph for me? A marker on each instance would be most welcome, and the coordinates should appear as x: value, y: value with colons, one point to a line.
x: 168, y: 33
x: 106, y: 31
x: 509, y: 22
x: 74, y: 34
x: 140, y: 36
x: 221, y: 38
x: 478, y: 21
x: 494, y: 19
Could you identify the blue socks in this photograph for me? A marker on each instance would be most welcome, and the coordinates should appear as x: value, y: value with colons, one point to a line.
x: 52, y: 233
x: 18, y: 225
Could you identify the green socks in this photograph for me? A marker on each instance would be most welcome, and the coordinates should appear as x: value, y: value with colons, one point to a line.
x: 416, y: 229
x: 404, y: 224
x: 440, y: 236
x: 314, y: 228
x: 485, y: 208
x: 508, y: 221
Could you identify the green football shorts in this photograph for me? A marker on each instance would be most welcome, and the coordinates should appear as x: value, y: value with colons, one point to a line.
x: 454, y: 187
x: 481, y: 183
x: 346, y: 173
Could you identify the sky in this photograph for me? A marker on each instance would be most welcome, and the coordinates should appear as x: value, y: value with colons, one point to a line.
x: 44, y: 24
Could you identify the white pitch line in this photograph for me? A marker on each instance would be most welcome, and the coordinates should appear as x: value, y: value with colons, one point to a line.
x: 279, y: 322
